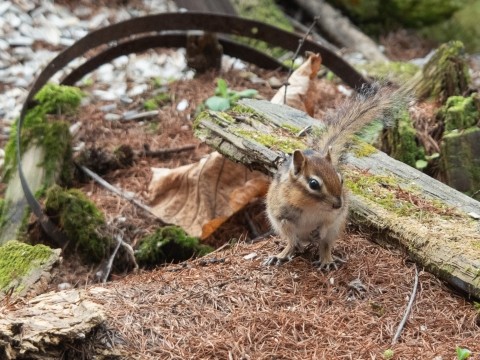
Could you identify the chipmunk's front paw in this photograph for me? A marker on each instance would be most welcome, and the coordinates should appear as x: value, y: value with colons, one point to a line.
x: 276, y: 260
x: 333, y: 264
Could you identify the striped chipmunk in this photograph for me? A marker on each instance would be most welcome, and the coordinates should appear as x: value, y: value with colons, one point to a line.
x: 307, y: 203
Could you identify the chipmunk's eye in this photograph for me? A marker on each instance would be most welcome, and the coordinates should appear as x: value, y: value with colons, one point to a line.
x: 313, y: 184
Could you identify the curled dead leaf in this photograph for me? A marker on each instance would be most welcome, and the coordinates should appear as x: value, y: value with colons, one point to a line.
x: 301, y: 86
x: 191, y: 196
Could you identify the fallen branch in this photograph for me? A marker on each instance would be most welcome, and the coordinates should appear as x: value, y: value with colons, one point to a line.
x: 341, y: 30
x: 116, y: 190
x: 163, y: 152
x: 407, y: 310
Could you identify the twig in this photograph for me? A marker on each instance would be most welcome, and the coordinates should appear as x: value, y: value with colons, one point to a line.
x: 300, y: 44
x: 116, y: 190
x: 316, y: 36
x: 108, y: 267
x: 139, y: 116
x: 162, y: 152
x: 407, y: 310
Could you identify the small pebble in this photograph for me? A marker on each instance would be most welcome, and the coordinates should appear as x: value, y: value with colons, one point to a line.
x: 182, y: 105
x: 64, y: 286
x: 250, y: 256
x: 108, y: 107
x: 112, y: 117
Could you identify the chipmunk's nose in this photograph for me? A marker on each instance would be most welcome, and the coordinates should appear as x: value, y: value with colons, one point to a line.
x: 337, y: 203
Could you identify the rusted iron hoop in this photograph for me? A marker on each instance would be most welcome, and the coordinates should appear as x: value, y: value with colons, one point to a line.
x: 114, y: 34
x: 140, y: 44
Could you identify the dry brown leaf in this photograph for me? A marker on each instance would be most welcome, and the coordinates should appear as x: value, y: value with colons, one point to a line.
x: 191, y: 196
x: 301, y: 86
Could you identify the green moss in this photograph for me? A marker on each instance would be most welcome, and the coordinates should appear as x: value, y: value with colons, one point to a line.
x: 292, y: 128
x: 222, y: 119
x: 157, y: 101
x: 274, y: 142
x: 80, y: 219
x: 363, y: 149
x: 459, y: 113
x: 240, y: 109
x: 396, y: 71
x: 169, y: 244
x: 393, y: 196
x: 150, y: 104
x: 401, y: 141
x: 378, y: 188
x: 54, y: 136
x: 265, y: 11
x: 446, y: 73
x: 17, y: 259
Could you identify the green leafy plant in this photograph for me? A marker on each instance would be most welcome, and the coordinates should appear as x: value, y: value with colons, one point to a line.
x: 462, y: 354
x: 157, y: 101
x: 224, y: 97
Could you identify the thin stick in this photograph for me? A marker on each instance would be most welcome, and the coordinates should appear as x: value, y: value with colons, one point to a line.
x: 300, y: 44
x: 108, y: 267
x: 116, y: 190
x: 162, y: 152
x: 407, y: 310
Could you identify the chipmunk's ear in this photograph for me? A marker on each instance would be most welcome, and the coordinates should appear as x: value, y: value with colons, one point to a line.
x: 298, y: 161
x: 328, y: 157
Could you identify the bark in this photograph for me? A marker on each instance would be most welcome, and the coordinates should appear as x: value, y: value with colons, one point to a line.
x: 432, y: 222
x: 341, y: 30
x: 49, y: 326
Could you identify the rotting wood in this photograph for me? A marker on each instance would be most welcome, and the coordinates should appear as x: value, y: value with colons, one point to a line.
x: 38, y: 331
x: 400, y: 205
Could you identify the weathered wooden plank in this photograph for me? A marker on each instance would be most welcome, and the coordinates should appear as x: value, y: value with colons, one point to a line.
x: 15, y: 202
x: 396, y: 203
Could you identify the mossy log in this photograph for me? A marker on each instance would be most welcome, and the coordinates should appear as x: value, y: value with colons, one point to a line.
x: 446, y: 73
x: 399, y: 205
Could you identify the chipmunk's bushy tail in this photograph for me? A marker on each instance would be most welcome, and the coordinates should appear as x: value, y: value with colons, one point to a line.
x: 371, y: 103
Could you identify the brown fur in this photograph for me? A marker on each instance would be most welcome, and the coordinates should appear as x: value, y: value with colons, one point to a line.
x: 304, y: 214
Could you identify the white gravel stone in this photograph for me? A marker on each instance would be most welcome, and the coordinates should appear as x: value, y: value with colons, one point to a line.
x: 104, y: 95
x: 137, y: 90
x: 112, y: 117
x: 182, y: 105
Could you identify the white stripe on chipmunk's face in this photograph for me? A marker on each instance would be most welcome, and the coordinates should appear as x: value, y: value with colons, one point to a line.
x: 319, y: 180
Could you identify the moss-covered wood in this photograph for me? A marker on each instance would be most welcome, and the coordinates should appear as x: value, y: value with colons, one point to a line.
x: 46, y: 154
x: 22, y: 265
x: 397, y: 203
x: 446, y: 73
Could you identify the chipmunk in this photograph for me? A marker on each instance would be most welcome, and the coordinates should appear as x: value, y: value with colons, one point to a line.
x: 307, y: 203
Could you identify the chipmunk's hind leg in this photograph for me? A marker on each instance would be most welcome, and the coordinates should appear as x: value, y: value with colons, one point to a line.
x: 327, y: 261
x: 286, y: 255
x: 287, y: 232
